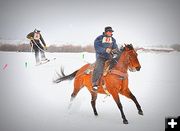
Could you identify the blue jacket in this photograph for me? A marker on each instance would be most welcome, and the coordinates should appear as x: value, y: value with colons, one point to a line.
x: 100, y: 46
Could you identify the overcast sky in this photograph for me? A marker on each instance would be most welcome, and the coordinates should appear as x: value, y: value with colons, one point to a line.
x: 81, y: 21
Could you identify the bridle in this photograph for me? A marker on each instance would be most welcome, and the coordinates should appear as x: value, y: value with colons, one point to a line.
x: 127, y: 59
x: 132, y: 55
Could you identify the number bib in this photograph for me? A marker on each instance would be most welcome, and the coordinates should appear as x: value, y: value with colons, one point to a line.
x: 36, y: 36
x: 107, y: 40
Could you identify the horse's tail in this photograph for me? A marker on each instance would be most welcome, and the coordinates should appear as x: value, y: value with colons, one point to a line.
x: 63, y: 77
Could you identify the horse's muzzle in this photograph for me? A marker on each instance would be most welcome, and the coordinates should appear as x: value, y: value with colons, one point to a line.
x: 138, y: 68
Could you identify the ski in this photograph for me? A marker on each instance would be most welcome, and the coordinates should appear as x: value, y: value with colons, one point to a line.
x: 44, y: 62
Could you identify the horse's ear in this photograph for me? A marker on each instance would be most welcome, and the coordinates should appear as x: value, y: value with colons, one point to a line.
x: 132, y: 46
x: 126, y: 47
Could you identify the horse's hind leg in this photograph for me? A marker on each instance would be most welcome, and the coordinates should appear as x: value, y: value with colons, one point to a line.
x: 117, y: 100
x: 93, y: 102
x: 133, y: 98
x: 75, y: 92
x: 77, y: 86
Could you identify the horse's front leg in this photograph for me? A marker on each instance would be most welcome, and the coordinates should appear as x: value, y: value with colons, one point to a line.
x: 93, y: 102
x: 129, y: 95
x: 137, y: 103
x: 117, y: 100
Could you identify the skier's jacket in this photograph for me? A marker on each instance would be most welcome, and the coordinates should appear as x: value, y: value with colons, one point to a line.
x: 101, y: 43
x: 36, y: 38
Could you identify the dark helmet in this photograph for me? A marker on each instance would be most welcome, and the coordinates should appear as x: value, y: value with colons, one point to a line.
x: 108, y: 28
x: 36, y: 30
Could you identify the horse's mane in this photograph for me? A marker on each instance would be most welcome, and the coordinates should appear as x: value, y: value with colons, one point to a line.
x: 129, y: 46
x: 118, y: 53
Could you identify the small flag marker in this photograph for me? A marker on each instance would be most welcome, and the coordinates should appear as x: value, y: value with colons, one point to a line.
x: 5, y: 66
x: 26, y: 64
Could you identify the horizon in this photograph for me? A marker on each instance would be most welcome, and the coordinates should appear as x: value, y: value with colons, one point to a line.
x: 79, y: 22
x: 61, y: 44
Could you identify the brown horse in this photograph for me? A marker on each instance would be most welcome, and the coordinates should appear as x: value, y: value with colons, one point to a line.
x: 115, y: 82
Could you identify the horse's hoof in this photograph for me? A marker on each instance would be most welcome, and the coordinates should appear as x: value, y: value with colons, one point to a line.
x: 96, y: 114
x: 125, y: 121
x: 140, y: 113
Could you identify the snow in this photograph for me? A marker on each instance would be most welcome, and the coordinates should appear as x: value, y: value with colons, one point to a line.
x: 29, y: 101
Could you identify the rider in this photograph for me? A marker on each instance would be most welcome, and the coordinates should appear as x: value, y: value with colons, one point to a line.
x: 103, y: 45
x: 35, y: 38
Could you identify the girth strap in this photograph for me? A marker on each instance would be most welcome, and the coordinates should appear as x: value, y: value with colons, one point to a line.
x: 117, y: 72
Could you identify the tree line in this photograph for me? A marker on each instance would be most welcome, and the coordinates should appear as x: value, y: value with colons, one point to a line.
x: 61, y: 48
x: 51, y: 48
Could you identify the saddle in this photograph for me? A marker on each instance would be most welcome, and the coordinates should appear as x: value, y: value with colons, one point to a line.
x: 108, y: 68
x: 92, y: 66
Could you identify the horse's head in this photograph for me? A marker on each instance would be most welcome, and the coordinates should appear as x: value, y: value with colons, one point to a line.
x: 127, y: 59
x: 131, y: 57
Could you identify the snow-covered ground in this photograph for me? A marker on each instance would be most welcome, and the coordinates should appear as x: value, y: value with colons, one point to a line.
x: 29, y: 101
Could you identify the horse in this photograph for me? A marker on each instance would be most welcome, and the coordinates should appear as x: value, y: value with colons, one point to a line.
x: 115, y: 82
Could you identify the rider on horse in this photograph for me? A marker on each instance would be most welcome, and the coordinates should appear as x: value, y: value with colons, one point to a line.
x: 103, y: 44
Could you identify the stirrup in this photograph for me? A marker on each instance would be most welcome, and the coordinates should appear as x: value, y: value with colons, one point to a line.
x: 95, y: 89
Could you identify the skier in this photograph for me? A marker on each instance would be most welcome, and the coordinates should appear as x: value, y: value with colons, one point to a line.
x: 35, y: 37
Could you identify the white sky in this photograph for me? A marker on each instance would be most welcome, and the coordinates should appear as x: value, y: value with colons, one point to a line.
x: 81, y: 21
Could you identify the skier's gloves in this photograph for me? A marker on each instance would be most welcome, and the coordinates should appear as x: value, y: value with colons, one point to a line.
x: 45, y: 47
x: 108, y: 50
x: 31, y: 38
